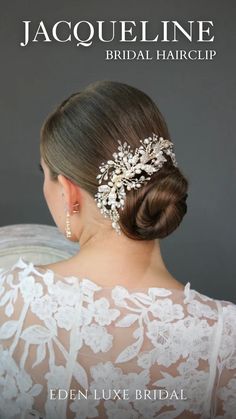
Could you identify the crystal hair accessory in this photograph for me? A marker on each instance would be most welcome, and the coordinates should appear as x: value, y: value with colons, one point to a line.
x: 121, y: 173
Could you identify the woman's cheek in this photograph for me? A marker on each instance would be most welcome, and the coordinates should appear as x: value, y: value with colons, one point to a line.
x: 55, y: 205
x: 45, y: 190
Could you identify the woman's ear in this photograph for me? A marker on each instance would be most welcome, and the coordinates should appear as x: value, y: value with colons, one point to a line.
x: 70, y: 191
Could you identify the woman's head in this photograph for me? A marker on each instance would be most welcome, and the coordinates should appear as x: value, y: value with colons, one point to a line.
x: 82, y: 133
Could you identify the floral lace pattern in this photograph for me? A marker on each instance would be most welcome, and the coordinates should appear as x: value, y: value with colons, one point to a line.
x: 70, y: 348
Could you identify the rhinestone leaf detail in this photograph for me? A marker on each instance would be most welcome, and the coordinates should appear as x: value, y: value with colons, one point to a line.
x: 129, y: 170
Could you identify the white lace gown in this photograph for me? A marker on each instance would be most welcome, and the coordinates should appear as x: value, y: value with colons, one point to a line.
x: 72, y: 349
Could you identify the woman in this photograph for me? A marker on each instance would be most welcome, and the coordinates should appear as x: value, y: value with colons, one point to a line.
x: 110, y: 333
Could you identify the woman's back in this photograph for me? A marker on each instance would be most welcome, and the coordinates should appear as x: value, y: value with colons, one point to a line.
x: 71, y: 348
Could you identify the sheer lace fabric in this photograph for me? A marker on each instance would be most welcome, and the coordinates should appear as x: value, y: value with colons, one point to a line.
x: 72, y: 349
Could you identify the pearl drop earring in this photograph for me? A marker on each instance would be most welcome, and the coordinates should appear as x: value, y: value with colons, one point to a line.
x: 68, y: 228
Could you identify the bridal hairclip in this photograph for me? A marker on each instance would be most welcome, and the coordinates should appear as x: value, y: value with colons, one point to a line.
x: 123, y: 172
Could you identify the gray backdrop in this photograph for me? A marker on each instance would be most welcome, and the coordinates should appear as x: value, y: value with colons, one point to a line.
x: 196, y: 97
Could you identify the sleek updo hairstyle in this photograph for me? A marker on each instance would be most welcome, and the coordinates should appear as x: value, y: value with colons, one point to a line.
x: 83, y: 132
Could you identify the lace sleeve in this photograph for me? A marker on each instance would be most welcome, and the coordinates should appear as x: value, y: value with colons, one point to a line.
x: 225, y: 390
x: 23, y: 337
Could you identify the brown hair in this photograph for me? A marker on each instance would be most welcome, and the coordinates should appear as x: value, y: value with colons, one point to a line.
x: 83, y: 132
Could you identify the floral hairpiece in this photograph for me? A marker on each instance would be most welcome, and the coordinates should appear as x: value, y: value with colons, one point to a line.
x: 121, y: 173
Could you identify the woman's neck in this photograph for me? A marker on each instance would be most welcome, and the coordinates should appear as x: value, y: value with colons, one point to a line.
x: 119, y: 260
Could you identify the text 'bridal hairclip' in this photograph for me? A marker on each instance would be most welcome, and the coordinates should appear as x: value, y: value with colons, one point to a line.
x: 121, y: 173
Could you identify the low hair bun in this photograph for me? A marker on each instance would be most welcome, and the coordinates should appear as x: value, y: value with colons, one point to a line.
x: 157, y: 208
